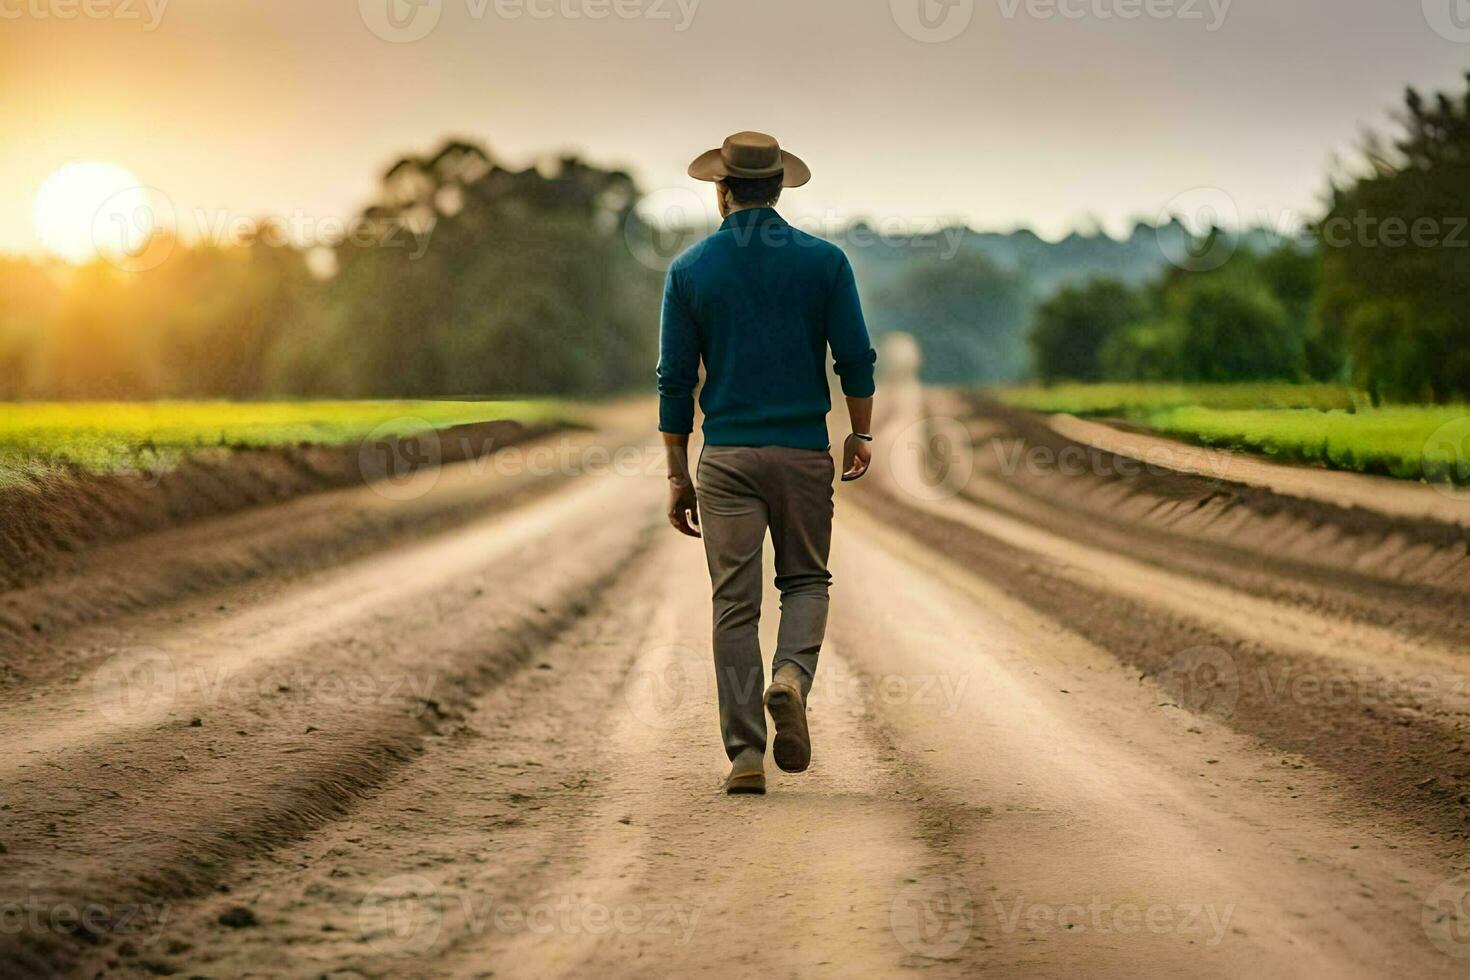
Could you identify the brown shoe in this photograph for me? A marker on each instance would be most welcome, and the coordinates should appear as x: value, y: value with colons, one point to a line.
x: 745, y: 781
x: 792, y: 747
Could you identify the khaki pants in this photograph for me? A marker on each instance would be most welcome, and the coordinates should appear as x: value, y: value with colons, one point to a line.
x: 743, y: 492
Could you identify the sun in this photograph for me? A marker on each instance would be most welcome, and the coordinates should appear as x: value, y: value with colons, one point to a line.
x: 91, y: 208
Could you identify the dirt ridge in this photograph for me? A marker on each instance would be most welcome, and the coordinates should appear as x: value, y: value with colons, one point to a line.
x: 186, y: 855
x: 48, y: 525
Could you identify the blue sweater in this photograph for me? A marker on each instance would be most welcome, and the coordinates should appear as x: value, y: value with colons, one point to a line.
x: 760, y: 302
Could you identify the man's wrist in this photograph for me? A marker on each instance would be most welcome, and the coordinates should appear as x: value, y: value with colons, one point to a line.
x: 862, y: 436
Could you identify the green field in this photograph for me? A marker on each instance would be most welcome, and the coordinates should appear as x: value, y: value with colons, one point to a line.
x: 1323, y: 425
x: 1132, y: 401
x: 102, y: 437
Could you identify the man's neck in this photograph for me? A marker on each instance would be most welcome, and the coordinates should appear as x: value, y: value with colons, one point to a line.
x: 736, y: 209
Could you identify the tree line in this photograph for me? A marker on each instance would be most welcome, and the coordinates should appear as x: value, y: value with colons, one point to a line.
x: 1378, y: 295
x: 464, y: 278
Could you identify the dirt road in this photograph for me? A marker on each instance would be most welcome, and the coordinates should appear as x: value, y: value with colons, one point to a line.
x: 491, y: 750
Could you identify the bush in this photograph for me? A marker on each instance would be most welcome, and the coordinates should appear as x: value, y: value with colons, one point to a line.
x: 1073, y: 327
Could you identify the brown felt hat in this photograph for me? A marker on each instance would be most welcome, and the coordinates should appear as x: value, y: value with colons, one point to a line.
x: 750, y: 155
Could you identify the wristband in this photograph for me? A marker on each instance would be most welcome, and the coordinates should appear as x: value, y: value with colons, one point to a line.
x: 862, y: 437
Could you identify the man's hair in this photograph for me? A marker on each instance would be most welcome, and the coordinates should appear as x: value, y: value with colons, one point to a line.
x: 754, y: 190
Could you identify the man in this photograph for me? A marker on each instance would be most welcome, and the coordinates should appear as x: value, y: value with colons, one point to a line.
x: 759, y: 303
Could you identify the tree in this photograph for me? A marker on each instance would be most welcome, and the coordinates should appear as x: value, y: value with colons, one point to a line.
x: 1234, y: 329
x: 482, y: 280
x: 1396, y: 268
x: 1142, y: 352
x: 1071, y: 329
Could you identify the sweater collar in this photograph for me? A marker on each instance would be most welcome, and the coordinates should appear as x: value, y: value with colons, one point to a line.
x: 752, y: 216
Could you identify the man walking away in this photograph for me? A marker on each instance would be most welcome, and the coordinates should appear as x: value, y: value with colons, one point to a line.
x: 759, y: 303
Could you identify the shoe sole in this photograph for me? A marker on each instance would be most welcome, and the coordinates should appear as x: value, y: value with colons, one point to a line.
x: 746, y: 784
x: 792, y: 747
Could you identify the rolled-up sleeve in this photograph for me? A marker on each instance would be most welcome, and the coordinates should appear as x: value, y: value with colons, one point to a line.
x: 853, y: 356
x: 678, y: 362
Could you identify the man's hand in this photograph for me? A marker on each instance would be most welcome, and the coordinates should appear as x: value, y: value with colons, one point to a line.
x: 683, y: 506
x: 857, y: 454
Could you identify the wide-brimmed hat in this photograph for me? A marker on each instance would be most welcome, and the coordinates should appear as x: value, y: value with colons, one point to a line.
x: 750, y: 155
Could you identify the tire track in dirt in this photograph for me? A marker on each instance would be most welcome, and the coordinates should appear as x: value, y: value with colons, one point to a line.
x: 990, y: 794
x: 122, y: 792
x: 1095, y: 831
x: 1397, y: 735
x: 1386, y: 711
x: 572, y: 825
x: 1399, y: 574
x: 300, y: 535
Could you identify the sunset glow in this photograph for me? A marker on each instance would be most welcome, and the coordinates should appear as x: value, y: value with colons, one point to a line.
x: 90, y: 208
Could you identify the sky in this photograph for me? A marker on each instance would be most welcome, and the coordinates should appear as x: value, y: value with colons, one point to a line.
x: 1048, y: 114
